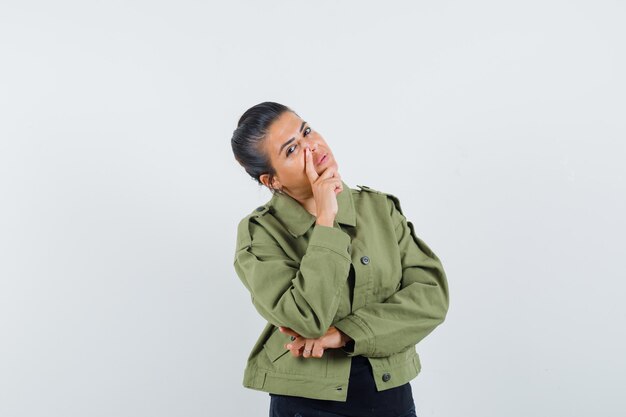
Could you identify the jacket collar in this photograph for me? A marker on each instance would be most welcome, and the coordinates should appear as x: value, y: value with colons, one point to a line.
x: 298, y: 220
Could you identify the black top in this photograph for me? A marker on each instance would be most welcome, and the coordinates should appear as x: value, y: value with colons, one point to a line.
x: 363, y: 398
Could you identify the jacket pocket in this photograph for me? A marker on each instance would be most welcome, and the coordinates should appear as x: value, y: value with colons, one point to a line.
x: 274, y: 346
x: 282, y: 362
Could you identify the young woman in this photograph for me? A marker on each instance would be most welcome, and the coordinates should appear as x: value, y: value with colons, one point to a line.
x: 346, y: 286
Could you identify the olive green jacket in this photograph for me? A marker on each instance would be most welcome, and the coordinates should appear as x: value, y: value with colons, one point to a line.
x: 369, y: 275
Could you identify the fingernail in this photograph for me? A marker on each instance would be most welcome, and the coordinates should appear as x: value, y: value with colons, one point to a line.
x: 288, y: 346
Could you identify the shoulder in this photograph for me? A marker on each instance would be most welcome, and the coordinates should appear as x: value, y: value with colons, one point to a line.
x: 246, y: 226
x: 392, y: 202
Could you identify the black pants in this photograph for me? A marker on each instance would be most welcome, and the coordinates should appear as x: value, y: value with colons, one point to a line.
x: 284, y: 406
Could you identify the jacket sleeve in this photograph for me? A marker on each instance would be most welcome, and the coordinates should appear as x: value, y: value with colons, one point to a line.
x: 301, y: 295
x: 410, y: 314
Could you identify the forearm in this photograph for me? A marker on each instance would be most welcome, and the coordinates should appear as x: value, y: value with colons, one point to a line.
x: 405, y: 318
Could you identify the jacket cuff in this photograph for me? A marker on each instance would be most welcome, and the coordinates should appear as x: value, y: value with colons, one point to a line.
x: 332, y: 238
x: 362, y: 336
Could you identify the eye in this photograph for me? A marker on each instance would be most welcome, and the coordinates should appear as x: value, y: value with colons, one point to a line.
x: 307, y: 131
x: 291, y: 149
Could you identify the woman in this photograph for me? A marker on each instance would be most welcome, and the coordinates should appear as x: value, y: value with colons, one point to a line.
x: 346, y: 287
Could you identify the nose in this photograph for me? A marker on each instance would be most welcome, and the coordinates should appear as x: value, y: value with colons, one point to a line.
x: 312, y: 144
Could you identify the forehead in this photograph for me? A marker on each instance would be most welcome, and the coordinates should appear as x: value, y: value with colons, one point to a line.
x: 284, y: 128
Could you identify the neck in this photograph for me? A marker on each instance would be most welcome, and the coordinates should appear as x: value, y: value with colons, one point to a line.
x: 309, y: 205
x: 305, y: 197
x: 307, y: 201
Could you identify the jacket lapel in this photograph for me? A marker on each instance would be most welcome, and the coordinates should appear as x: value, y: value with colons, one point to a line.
x: 298, y: 220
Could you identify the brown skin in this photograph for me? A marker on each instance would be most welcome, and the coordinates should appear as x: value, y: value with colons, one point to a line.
x: 302, y: 172
x: 314, y: 348
x: 299, y: 173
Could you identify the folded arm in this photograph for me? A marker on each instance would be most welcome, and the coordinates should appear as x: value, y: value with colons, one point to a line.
x: 410, y: 314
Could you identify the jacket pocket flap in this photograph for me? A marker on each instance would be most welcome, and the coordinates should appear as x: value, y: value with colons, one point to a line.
x: 274, y: 346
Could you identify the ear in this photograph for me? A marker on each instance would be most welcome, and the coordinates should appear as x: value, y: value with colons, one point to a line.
x: 265, y: 179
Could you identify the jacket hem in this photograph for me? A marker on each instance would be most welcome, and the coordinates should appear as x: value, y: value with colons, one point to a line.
x: 329, y: 388
x: 334, y: 389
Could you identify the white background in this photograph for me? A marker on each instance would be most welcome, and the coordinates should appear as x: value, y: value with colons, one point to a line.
x: 499, y: 125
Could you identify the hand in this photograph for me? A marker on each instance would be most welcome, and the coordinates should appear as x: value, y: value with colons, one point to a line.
x: 325, y: 188
x: 307, y: 348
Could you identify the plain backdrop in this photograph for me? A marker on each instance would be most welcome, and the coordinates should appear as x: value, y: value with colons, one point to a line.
x: 499, y: 125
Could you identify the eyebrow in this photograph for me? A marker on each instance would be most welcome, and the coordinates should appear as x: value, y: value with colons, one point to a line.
x: 290, y: 140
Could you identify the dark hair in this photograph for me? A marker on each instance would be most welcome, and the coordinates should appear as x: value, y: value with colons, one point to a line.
x: 249, y: 136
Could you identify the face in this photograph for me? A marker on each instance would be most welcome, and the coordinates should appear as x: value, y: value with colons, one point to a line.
x: 286, y: 139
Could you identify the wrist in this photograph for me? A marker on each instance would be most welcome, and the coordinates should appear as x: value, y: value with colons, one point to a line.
x: 345, y: 339
x: 325, y: 221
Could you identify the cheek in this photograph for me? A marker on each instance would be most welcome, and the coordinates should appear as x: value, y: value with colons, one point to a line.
x: 297, y: 163
x: 321, y: 141
x: 291, y: 166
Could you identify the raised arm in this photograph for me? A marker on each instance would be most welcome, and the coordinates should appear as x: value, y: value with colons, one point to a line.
x: 303, y: 296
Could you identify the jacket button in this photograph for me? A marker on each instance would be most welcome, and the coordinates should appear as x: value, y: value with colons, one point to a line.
x: 365, y: 260
x: 386, y: 377
x: 349, y: 248
x: 260, y: 208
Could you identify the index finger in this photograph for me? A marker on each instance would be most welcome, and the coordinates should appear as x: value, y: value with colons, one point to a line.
x: 308, y: 166
x: 288, y: 331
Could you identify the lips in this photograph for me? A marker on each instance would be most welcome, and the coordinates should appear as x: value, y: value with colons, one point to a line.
x: 322, y: 158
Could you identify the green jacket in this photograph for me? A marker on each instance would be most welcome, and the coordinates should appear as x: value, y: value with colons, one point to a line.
x: 369, y: 275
